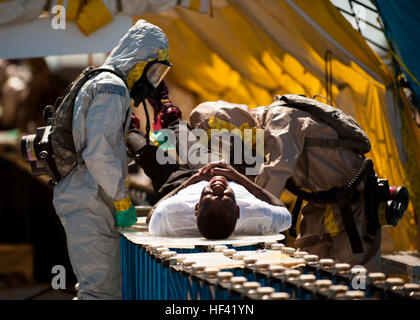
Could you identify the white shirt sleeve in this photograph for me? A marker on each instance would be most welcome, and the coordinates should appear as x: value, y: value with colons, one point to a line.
x: 174, y: 217
x: 257, y: 217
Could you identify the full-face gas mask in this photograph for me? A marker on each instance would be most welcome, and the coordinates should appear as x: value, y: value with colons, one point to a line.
x: 153, y: 74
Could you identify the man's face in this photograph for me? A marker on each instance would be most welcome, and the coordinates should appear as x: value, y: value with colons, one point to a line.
x: 218, y: 193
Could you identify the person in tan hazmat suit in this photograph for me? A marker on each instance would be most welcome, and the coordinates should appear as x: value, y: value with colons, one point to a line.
x: 288, y: 157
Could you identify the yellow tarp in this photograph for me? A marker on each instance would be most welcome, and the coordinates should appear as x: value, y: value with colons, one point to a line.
x: 248, y: 51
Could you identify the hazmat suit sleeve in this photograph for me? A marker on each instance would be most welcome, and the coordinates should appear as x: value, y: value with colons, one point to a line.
x: 105, y: 153
x: 284, y: 140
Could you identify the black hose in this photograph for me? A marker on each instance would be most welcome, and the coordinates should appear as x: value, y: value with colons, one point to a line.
x: 367, y: 164
x: 147, y: 122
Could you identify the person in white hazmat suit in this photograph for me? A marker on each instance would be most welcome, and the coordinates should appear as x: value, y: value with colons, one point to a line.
x: 93, y: 200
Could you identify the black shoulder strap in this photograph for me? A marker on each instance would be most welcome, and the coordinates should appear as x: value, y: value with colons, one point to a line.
x: 93, y: 72
x: 331, y: 143
x: 344, y: 204
x: 87, y: 76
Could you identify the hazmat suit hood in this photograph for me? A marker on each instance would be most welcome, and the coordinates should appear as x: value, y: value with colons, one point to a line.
x: 216, y: 114
x: 144, y: 42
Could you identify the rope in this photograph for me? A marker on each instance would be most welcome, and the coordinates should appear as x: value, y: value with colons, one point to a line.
x: 328, y: 76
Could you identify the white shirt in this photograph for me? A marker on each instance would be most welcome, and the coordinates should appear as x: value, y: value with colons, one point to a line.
x: 175, y: 216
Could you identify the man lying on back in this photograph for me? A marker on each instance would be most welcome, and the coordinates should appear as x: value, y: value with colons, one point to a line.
x: 213, y: 200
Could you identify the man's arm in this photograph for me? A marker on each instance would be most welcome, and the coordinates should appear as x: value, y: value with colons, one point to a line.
x: 226, y: 170
x: 104, y: 154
